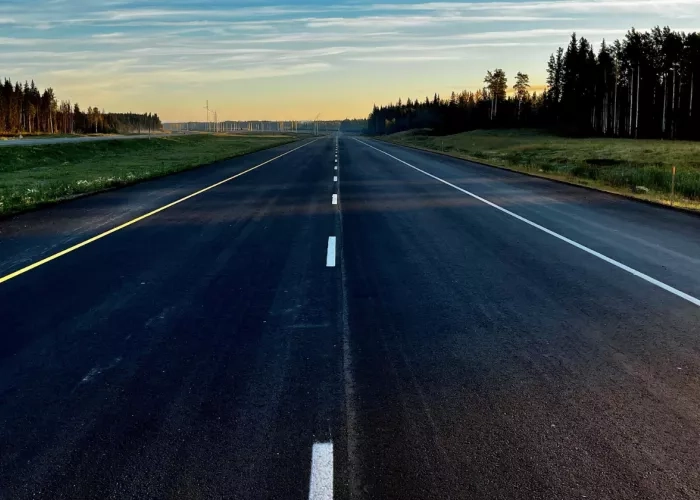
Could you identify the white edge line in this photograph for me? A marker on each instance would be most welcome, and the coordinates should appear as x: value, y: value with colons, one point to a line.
x: 619, y: 265
x: 330, y: 253
x: 321, y: 481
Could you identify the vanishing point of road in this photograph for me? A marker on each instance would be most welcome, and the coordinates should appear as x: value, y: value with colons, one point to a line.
x: 344, y: 318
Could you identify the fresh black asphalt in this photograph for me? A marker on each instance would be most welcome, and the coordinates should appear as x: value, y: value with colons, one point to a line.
x: 454, y: 352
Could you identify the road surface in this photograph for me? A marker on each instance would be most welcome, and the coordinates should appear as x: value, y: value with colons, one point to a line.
x: 40, y: 141
x: 393, y: 324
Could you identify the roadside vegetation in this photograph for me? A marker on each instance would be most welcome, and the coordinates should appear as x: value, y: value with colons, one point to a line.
x: 638, y: 168
x: 25, y: 110
x: 623, y: 109
x: 31, y: 176
x: 643, y: 87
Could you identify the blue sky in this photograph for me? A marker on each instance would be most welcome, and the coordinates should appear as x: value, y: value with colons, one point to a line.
x: 294, y: 59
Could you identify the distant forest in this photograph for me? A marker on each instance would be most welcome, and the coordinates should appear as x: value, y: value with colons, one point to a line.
x: 26, y: 110
x: 354, y: 125
x: 641, y: 87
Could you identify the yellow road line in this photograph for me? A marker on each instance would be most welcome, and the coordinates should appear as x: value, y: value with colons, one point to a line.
x: 138, y: 219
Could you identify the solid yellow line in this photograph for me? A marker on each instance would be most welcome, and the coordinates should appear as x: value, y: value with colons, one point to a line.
x: 138, y: 219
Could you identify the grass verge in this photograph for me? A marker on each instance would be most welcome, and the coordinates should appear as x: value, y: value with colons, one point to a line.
x: 618, y: 166
x: 31, y: 176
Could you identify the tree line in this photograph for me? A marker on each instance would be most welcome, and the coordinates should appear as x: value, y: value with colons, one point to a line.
x: 24, y: 109
x: 644, y: 86
x: 353, y: 125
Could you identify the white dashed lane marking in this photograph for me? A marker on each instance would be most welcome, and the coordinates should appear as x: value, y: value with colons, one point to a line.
x: 321, y: 482
x: 330, y: 253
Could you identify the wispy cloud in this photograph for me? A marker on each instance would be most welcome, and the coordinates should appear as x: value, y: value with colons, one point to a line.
x: 425, y: 20
x: 394, y: 59
x: 572, y: 6
x: 150, y: 48
x: 108, y: 35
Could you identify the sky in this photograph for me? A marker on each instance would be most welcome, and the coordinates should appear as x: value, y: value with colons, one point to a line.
x: 294, y: 59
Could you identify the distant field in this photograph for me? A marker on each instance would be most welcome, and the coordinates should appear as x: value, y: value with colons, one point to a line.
x: 617, y: 165
x: 35, y: 175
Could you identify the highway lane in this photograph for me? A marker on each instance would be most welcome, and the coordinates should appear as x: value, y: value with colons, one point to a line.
x: 35, y: 235
x: 190, y: 355
x: 371, y: 319
x: 493, y: 360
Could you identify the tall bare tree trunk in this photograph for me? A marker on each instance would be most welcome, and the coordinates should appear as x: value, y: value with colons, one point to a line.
x: 692, y: 81
x: 606, y: 105
x: 629, y: 125
x: 595, y: 92
x: 680, y: 92
x: 673, y: 105
x: 615, y: 124
x: 636, y: 124
x: 663, y: 118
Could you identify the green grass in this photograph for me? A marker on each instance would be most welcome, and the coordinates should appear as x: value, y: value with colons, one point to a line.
x: 31, y: 176
x: 616, y: 165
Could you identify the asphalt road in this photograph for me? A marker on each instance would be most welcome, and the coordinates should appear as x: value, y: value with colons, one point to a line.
x: 437, y: 329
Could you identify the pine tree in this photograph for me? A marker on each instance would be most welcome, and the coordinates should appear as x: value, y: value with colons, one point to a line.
x: 522, y: 84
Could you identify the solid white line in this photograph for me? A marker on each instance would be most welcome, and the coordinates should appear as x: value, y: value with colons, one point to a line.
x: 335, y: 178
x: 335, y: 199
x: 619, y: 265
x: 321, y: 482
x: 330, y: 253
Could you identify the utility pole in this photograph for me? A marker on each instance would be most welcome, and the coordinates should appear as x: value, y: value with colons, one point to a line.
x: 316, y: 123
